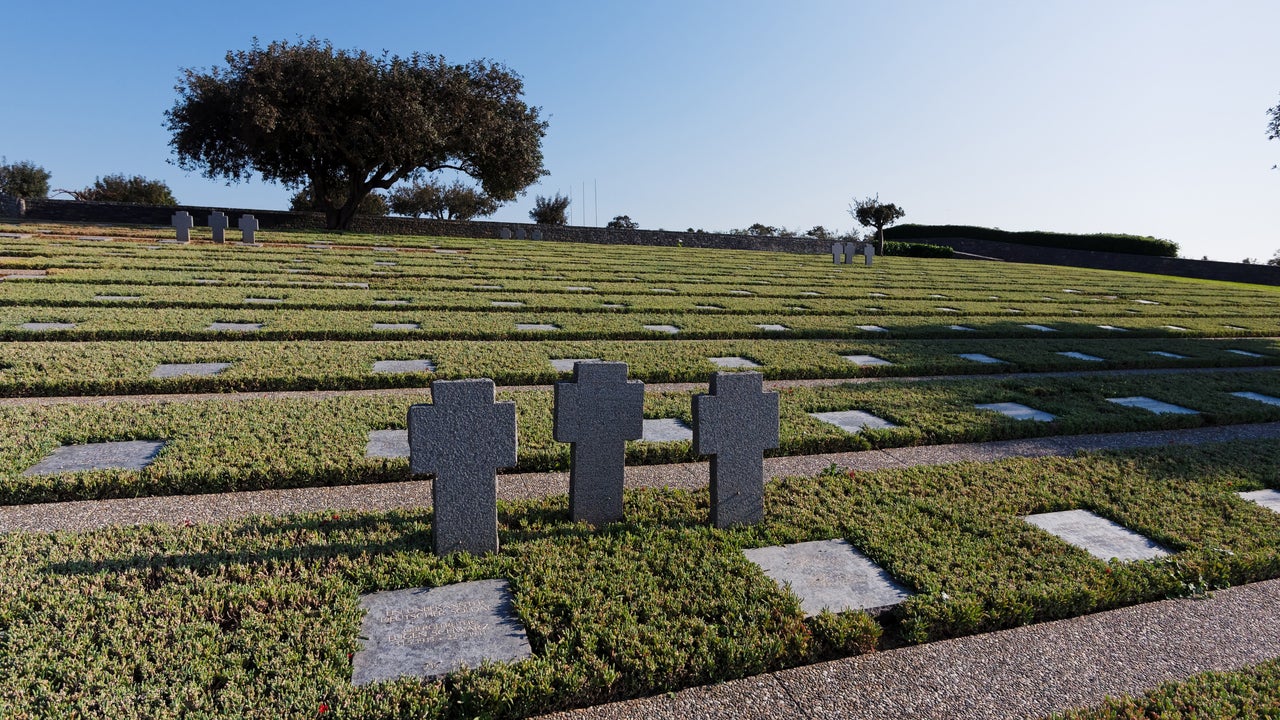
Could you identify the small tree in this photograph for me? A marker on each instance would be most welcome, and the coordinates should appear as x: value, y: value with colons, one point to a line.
x: 442, y: 202
x: 550, y: 211
x: 23, y: 179
x: 1273, y: 128
x: 1273, y: 261
x: 118, y: 188
x: 373, y: 203
x: 760, y: 229
x: 623, y: 222
x: 820, y: 232
x: 870, y: 212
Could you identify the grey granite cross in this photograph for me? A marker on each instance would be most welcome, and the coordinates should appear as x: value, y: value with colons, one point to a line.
x: 837, y: 253
x: 735, y: 424
x: 218, y: 223
x: 183, y: 222
x: 849, y: 250
x: 869, y: 252
x: 463, y: 437
x: 598, y: 412
x: 248, y: 225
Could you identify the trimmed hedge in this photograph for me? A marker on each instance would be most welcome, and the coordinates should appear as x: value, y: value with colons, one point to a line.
x: 903, y: 249
x: 1104, y: 242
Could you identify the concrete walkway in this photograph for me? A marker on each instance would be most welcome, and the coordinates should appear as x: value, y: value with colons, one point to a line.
x: 213, y: 508
x: 1026, y: 672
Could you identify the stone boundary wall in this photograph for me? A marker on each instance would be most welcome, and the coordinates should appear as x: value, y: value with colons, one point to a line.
x: 1180, y: 267
x: 128, y: 213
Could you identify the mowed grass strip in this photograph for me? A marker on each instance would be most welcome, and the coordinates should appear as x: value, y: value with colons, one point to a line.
x: 122, y: 367
x: 229, y: 445
x: 259, y: 618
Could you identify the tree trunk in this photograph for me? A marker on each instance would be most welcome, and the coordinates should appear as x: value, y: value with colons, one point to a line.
x: 880, y: 241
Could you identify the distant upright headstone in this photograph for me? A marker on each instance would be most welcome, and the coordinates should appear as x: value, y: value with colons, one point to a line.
x: 248, y: 225
x: 506, y: 233
x: 463, y: 437
x: 183, y: 222
x: 536, y: 235
x: 735, y: 424
x: 849, y: 250
x: 520, y: 234
x: 218, y: 223
x: 598, y: 412
x: 869, y: 252
x: 837, y: 253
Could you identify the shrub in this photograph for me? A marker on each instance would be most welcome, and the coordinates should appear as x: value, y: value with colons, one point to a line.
x: 920, y: 250
x: 442, y: 202
x: 118, y: 188
x: 23, y: 179
x: 624, y: 222
x: 550, y: 211
x: 1104, y: 242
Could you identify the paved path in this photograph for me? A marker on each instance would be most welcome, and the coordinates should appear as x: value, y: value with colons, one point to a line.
x: 1026, y: 672
x: 212, y: 508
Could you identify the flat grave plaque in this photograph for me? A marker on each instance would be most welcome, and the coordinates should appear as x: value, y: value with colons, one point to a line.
x: 853, y: 421
x: 234, y: 326
x: 1162, y: 353
x: 829, y: 575
x: 1017, y: 411
x: 1039, y: 328
x: 395, y: 326
x: 662, y: 290
x: 669, y: 329
x: 384, y: 263
x: 666, y: 430
x: 707, y: 307
x: 116, y: 298
x: 1112, y: 328
x: 128, y: 455
x: 1177, y: 328
x: 960, y: 328
x: 14, y: 236
x: 1146, y: 302
x: 486, y: 287
x: 936, y: 296
x: 1081, y: 356
x: 543, y: 327
x: 390, y: 302
x: 734, y: 361
x: 1269, y: 499
x: 579, y: 288
x: 172, y: 370
x: 428, y: 632
x: 1246, y: 353
x: 404, y: 366
x: 1098, y: 536
x: 1258, y: 397
x: 810, y: 293
x: 507, y: 303
x: 741, y: 292
x: 612, y: 306
x: 877, y: 295
x: 871, y: 328
x: 947, y: 309
x: 262, y: 301
x: 387, y: 444
x: 981, y: 358
x: 866, y: 360
x: 772, y: 327
x: 1155, y: 406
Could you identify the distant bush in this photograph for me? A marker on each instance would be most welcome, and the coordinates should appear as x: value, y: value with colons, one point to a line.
x: 23, y: 179
x: 550, y: 210
x: 1104, y: 242
x: 118, y: 188
x: 903, y: 249
x: 371, y: 204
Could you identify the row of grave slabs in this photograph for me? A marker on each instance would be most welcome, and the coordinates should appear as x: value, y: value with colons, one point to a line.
x: 429, y: 632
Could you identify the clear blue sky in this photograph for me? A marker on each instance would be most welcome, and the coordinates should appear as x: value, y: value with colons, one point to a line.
x: 1133, y: 116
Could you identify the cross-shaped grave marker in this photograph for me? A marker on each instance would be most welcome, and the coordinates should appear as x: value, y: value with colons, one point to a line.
x: 869, y: 252
x: 735, y: 424
x: 218, y: 223
x: 183, y: 222
x: 598, y: 412
x: 463, y: 437
x: 248, y: 225
x: 837, y: 253
x: 849, y: 250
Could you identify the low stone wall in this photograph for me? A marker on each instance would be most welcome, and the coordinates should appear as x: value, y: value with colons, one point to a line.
x: 11, y: 207
x: 1181, y: 267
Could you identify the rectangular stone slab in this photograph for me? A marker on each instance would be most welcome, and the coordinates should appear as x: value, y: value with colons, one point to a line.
x: 234, y: 327
x: 981, y: 358
x: 1155, y: 406
x: 1162, y: 353
x: 116, y: 298
x: 960, y: 328
x: 829, y: 575
x: 171, y: 370
x: 262, y: 301
x: 390, y: 302
x: 853, y: 421
x: 536, y: 326
x: 1258, y: 396
x: 1246, y: 353
x: 1081, y: 356
x: 507, y: 303
x: 127, y: 455
x: 1040, y: 328
x: 39, y: 326
x: 404, y: 366
x: 871, y: 328
x: 1017, y: 411
x: 1098, y: 536
x: 1269, y: 499
x: 395, y: 326
x: 669, y: 329
x: 428, y: 632
x: 734, y: 361
x: 387, y: 444
x: 1112, y: 328
x: 865, y: 360
x: 666, y: 430
x: 772, y: 327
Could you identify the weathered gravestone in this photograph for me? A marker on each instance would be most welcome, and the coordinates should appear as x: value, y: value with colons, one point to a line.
x: 536, y: 235
x: 218, y: 223
x: 850, y: 249
x: 735, y: 424
x: 598, y: 412
x: 248, y: 226
x: 505, y: 233
x: 869, y: 252
x: 520, y: 234
x: 463, y: 437
x: 837, y: 253
x: 427, y: 632
x: 183, y: 222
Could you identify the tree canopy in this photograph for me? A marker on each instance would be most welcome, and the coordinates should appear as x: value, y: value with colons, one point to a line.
x: 1273, y: 128
x: 306, y: 114
x: 870, y: 212
x: 550, y: 210
x: 456, y: 201
x: 118, y: 188
x: 622, y: 222
x: 23, y: 179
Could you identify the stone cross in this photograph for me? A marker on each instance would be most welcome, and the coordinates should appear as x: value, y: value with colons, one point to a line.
x: 850, y: 249
x: 183, y: 222
x: 248, y: 225
x: 598, y: 412
x: 735, y: 424
x: 869, y: 251
x: 505, y: 233
x: 837, y: 253
x: 219, y: 224
x: 463, y: 437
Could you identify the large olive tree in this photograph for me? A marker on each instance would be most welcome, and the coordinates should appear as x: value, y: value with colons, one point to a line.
x: 346, y: 122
